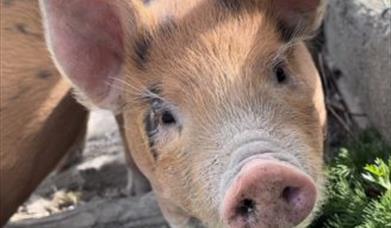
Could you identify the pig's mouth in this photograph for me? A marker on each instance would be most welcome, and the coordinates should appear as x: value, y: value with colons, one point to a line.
x: 265, y: 187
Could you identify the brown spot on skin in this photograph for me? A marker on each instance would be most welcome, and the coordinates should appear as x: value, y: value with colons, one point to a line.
x: 44, y: 74
x: 141, y: 48
x: 287, y: 33
x: 20, y: 93
x: 15, y: 97
x: 7, y: 2
x: 168, y: 27
x: 21, y: 28
x: 144, y: 42
x: 233, y: 5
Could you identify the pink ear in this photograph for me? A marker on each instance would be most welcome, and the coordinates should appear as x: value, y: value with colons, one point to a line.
x: 87, y: 42
x: 299, y: 16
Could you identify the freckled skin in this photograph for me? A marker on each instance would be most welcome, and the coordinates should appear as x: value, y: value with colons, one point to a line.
x: 186, y: 159
x: 44, y: 74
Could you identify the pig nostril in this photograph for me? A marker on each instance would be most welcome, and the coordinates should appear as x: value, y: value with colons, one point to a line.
x: 291, y: 195
x: 268, y: 193
x: 245, y: 208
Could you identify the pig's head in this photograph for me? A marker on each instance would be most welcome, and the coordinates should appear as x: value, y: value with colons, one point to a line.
x: 221, y: 100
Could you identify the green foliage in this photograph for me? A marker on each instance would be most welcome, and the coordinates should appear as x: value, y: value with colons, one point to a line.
x: 379, y: 173
x: 359, y: 186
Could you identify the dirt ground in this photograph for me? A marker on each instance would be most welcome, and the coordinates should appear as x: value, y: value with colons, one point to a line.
x: 92, y: 192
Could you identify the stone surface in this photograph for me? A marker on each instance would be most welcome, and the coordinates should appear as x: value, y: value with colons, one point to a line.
x: 358, y: 43
x: 130, y: 212
x: 93, y: 192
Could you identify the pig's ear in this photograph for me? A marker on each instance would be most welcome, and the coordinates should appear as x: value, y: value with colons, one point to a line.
x: 87, y: 41
x: 298, y: 17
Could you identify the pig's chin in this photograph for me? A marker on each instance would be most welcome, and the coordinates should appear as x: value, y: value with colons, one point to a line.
x: 265, y: 186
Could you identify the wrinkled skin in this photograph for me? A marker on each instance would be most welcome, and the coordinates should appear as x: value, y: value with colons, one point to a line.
x: 214, y: 95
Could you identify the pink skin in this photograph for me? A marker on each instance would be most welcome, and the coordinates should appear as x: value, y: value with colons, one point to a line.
x: 94, y: 55
x: 268, y: 193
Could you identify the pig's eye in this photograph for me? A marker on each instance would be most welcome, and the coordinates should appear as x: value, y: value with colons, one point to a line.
x: 167, y: 118
x: 159, y: 118
x: 280, y: 74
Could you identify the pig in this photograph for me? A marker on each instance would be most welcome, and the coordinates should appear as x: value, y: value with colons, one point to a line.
x: 40, y: 119
x: 222, y: 106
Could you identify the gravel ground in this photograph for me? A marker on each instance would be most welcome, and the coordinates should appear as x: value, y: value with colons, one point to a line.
x: 100, y: 174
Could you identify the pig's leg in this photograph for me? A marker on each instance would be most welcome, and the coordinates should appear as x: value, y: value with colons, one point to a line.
x: 137, y: 182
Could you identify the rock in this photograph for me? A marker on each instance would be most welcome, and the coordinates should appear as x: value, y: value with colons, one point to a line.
x: 358, y: 43
x: 120, y: 212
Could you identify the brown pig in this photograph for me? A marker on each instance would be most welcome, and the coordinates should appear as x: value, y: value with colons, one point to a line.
x: 222, y: 105
x: 40, y: 120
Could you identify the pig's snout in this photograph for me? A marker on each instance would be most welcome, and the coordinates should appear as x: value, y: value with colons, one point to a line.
x: 268, y: 193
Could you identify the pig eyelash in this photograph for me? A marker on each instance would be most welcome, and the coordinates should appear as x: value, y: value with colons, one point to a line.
x: 279, y: 70
x: 150, y: 95
x: 284, y: 50
x: 120, y: 84
x: 159, y: 117
x: 130, y: 87
x: 157, y: 102
x: 141, y: 93
x: 162, y: 112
